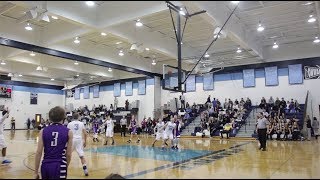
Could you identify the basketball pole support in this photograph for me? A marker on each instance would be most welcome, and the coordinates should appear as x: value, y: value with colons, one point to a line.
x: 179, y: 34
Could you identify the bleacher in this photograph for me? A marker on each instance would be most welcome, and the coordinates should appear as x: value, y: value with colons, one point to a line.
x: 232, y: 133
x: 297, y: 115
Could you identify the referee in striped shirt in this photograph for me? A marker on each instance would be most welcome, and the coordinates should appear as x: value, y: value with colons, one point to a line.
x: 262, y: 124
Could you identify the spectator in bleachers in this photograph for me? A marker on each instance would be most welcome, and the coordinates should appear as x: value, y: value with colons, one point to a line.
x: 209, y: 99
x: 283, y: 105
x: 127, y: 105
x: 287, y: 132
x: 226, y: 130
x: 214, y: 104
x: 187, y: 105
x: 315, y: 126
x: 270, y: 103
x: 263, y: 103
x: 270, y: 130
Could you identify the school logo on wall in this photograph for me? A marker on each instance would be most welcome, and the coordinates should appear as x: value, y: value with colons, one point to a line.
x: 312, y: 72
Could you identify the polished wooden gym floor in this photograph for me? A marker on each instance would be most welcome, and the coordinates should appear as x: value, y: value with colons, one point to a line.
x: 196, y: 158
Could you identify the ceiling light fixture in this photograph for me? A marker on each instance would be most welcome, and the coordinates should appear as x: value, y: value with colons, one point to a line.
x: 316, y: 40
x: 32, y: 53
x: 138, y: 23
x: 76, y: 63
x: 206, y: 55
x: 133, y: 46
x: 52, y: 79
x: 311, y: 19
x: 3, y: 63
x: 121, y: 53
x: 275, y: 45
x: 20, y: 75
x: 77, y: 75
x: 147, y: 49
x: 76, y: 40
x: 235, y: 2
x: 103, y: 34
x: 239, y: 50
x: 118, y: 42
x: 260, y: 27
x: 109, y: 69
x: 39, y: 68
x: 306, y: 4
x: 28, y: 27
x: 10, y: 75
x: 154, y: 62
x: 90, y: 3
x: 54, y: 17
x: 182, y: 12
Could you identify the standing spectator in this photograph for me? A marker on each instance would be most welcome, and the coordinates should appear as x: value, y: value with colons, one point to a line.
x: 262, y: 131
x: 270, y: 103
x: 33, y: 122
x: 127, y: 105
x: 13, y: 124
x: 309, y: 128
x: 28, y: 123
x: 182, y: 100
x: 283, y: 105
x: 187, y: 105
x: 214, y: 104
x: 315, y: 126
x: 123, y: 123
x: 111, y: 108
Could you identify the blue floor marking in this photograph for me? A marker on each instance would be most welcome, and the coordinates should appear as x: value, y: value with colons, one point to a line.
x: 182, y: 162
x: 147, y: 152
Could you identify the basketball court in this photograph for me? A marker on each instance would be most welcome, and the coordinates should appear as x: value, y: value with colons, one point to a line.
x: 150, y: 59
x: 208, y: 157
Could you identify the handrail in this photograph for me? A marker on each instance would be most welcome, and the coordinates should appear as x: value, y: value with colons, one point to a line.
x: 304, y: 130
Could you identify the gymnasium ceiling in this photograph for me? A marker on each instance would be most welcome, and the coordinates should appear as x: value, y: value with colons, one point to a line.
x: 285, y: 22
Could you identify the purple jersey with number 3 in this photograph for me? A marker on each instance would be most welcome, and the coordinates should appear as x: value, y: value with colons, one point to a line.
x: 54, y: 164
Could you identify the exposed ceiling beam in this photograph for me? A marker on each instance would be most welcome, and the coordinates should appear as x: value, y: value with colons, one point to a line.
x: 236, y: 30
x: 317, y: 4
x: 6, y: 7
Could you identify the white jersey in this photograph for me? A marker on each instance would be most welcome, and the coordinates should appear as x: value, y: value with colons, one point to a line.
x: 159, y: 127
x: 170, y: 127
x: 76, y: 127
x: 109, y: 124
x: 2, y: 119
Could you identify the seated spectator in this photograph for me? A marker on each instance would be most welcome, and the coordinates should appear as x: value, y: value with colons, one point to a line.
x: 270, y: 131
x: 287, y: 133
x: 297, y: 106
x: 226, y: 130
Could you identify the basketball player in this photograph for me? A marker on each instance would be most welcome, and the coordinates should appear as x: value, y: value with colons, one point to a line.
x: 160, y: 130
x: 95, y: 126
x: 56, y: 142
x: 169, y: 133
x: 133, y: 126
x: 3, y: 145
x: 178, y: 123
x: 109, y: 130
x: 79, y: 139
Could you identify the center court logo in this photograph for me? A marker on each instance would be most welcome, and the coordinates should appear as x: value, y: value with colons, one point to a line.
x: 312, y: 72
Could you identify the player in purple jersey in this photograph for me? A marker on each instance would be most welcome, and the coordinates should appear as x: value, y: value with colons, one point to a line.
x: 95, y: 126
x: 56, y: 142
x: 179, y: 123
x: 133, y: 126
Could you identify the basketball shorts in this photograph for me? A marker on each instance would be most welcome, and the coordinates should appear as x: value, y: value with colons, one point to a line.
x: 53, y: 170
x: 168, y: 135
x: 3, y: 143
x: 109, y: 133
x: 159, y: 136
x: 78, y: 146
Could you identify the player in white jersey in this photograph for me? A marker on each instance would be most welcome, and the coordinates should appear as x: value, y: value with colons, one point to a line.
x: 160, y: 129
x: 79, y: 139
x: 3, y: 145
x: 169, y: 132
x: 109, y: 131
